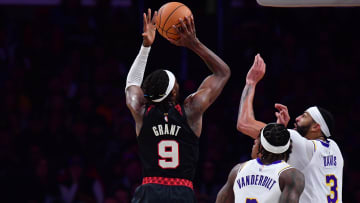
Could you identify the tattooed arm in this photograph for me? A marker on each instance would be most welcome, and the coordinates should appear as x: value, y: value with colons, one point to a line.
x: 292, y: 183
x: 246, y: 122
x: 226, y: 194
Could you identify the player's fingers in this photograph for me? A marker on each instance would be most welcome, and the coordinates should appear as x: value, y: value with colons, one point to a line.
x: 153, y: 21
x: 280, y: 106
x: 193, y: 23
x: 261, y: 61
x: 183, y: 26
x: 149, y: 15
x: 172, y: 41
x: 284, y: 115
x: 176, y: 29
x: 188, y: 24
x: 144, y: 24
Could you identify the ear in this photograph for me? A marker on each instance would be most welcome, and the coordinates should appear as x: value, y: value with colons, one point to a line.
x: 316, y: 127
x: 173, y: 91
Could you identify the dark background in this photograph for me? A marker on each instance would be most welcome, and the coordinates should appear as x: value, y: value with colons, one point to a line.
x: 63, y: 71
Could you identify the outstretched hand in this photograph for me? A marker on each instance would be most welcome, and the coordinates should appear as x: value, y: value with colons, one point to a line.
x: 187, y: 33
x: 257, y: 70
x: 283, y: 116
x: 149, y: 29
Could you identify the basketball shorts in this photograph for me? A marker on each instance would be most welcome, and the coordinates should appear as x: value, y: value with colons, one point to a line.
x: 164, y: 193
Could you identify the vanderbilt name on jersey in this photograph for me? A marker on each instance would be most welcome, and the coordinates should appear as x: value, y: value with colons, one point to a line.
x: 256, y: 182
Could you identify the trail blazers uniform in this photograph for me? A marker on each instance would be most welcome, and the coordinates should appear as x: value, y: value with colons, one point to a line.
x: 169, y: 152
x: 259, y: 183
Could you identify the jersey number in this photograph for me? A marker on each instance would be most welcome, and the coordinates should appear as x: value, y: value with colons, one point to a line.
x: 168, y: 150
x: 251, y: 200
x: 331, y: 181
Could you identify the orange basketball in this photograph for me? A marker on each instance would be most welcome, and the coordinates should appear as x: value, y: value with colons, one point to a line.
x: 168, y: 15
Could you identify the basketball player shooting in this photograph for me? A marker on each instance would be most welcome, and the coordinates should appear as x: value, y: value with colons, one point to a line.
x: 168, y: 131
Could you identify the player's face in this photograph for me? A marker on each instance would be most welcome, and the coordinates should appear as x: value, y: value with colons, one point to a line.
x: 176, y: 92
x: 255, y: 148
x: 303, y: 123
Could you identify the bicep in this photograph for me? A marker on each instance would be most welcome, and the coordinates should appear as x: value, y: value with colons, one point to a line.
x: 135, y: 100
x: 293, y: 182
x: 226, y: 194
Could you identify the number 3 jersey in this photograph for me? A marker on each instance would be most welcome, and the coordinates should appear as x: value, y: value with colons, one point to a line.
x: 322, y: 164
x: 259, y: 183
x: 167, y: 145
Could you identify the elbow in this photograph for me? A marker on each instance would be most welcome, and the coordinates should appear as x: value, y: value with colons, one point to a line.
x: 247, y: 127
x: 223, y: 72
x: 242, y: 126
x: 227, y: 72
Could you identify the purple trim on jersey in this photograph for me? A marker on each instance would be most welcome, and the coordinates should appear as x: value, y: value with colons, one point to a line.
x: 325, y: 143
x: 275, y: 162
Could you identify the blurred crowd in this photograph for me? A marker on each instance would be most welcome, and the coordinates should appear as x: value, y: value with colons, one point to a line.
x: 66, y: 134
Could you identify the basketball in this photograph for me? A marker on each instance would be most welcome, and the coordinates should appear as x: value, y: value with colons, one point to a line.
x: 168, y: 15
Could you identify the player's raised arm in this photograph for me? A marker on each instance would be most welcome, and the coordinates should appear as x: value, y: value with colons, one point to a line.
x: 211, y: 87
x: 226, y: 194
x: 292, y: 183
x: 134, y: 95
x: 246, y: 122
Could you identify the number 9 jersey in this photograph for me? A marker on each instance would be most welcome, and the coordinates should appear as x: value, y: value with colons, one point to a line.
x: 167, y: 145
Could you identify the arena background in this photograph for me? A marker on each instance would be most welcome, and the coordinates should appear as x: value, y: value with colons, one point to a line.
x: 63, y: 70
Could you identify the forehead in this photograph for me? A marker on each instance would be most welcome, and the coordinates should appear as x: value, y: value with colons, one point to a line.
x: 307, y: 116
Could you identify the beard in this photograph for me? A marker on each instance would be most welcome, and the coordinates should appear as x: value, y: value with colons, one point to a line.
x: 303, y: 130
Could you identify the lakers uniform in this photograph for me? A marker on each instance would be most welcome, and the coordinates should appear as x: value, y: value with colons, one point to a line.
x: 259, y: 183
x: 322, y: 167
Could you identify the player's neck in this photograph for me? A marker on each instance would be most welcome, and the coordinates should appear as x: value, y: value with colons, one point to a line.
x: 270, y: 160
x: 315, y: 136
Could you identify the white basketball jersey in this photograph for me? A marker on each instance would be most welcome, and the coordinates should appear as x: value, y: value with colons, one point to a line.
x: 324, y: 174
x: 323, y: 170
x: 259, y: 183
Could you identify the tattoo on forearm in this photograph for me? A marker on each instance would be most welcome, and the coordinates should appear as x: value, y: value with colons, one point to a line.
x: 244, y: 96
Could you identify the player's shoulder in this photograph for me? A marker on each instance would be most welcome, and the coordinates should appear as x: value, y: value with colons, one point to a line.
x: 334, y: 146
x: 293, y: 132
x: 333, y: 143
x: 296, y: 137
x: 291, y: 176
x: 234, y: 171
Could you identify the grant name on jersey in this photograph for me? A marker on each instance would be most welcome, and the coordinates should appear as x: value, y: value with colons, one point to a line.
x: 258, y: 180
x: 165, y: 129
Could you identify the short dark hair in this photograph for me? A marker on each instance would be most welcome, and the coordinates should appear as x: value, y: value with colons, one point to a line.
x: 276, y: 135
x: 155, y: 85
x: 329, y: 119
